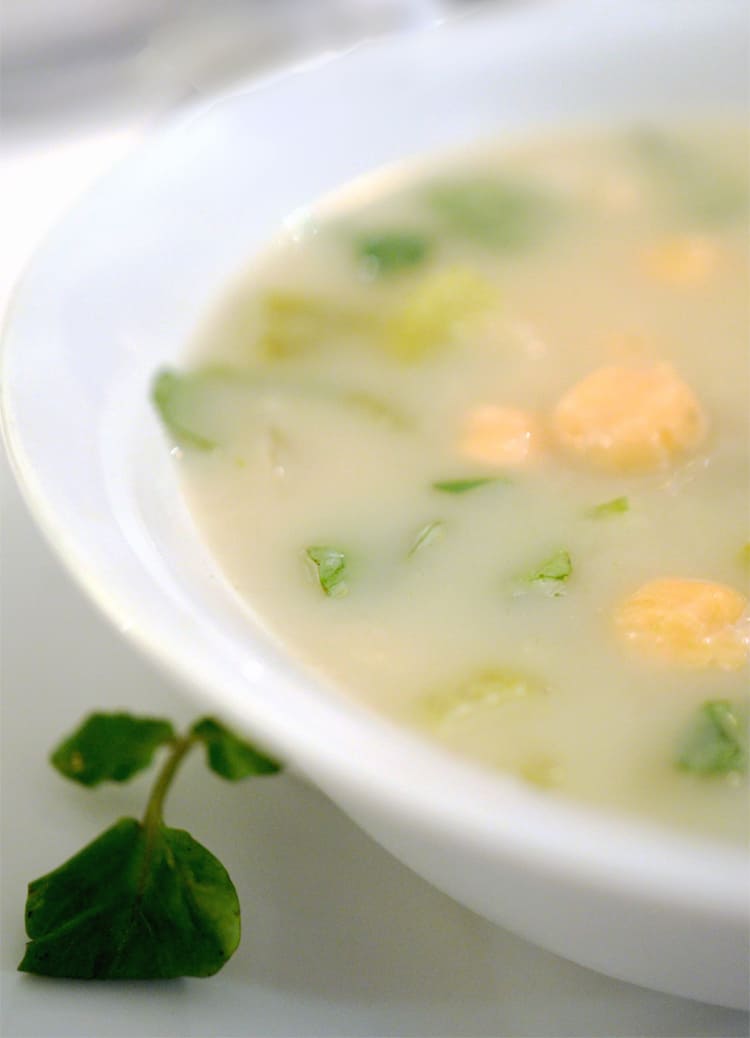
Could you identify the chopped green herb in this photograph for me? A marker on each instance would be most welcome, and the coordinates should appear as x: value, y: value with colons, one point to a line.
x: 429, y: 534
x: 550, y: 577
x: 500, y: 214
x: 691, y: 179
x: 389, y: 252
x: 557, y: 567
x: 462, y: 486
x: 616, y: 506
x: 197, y: 406
x: 435, y: 310
x: 141, y: 901
x: 176, y: 398
x: 293, y: 324
x: 330, y: 564
x: 716, y: 741
x: 485, y: 690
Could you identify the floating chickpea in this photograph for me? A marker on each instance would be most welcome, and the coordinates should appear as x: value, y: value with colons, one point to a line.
x: 630, y: 418
x: 692, y: 623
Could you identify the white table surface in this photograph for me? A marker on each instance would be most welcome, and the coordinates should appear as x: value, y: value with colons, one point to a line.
x: 339, y: 939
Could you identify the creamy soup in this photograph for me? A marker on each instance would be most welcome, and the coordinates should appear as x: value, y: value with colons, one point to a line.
x: 471, y: 440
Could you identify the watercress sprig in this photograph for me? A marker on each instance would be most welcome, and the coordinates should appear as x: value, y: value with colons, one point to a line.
x: 141, y: 901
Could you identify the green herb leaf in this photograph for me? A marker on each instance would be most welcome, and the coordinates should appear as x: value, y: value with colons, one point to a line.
x: 485, y: 690
x: 462, y: 486
x: 199, y: 407
x: 438, y: 307
x: 174, y: 396
x: 111, y: 748
x: 616, y: 506
x: 229, y: 756
x: 389, y: 252
x: 551, y: 575
x: 691, y: 179
x: 331, y: 567
x: 429, y: 534
x: 716, y: 741
x: 134, y: 904
x: 557, y: 567
x: 500, y: 214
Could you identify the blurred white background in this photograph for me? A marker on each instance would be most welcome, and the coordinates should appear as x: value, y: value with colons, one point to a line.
x: 89, y: 59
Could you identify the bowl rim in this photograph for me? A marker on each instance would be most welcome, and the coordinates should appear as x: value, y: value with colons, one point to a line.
x: 494, y: 813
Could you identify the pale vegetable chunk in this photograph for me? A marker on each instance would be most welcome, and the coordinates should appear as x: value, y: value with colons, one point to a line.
x: 691, y: 623
x: 683, y: 261
x: 485, y: 691
x: 630, y: 418
x: 436, y: 311
x: 507, y: 437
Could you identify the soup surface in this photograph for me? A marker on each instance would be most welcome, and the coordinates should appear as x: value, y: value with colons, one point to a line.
x: 471, y: 440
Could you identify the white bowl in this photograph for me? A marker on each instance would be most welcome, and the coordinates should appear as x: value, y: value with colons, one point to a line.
x: 116, y: 293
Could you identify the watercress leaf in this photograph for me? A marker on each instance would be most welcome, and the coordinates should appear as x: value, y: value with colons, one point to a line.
x: 462, y: 486
x: 110, y: 747
x: 549, y: 578
x: 230, y: 756
x: 616, y: 506
x: 134, y: 904
x: 557, y: 567
x: 331, y: 565
x: 200, y: 408
x: 716, y: 740
x: 438, y: 307
x: 429, y: 534
x: 195, y: 405
x: 498, y: 213
x: 173, y: 395
x: 388, y: 252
